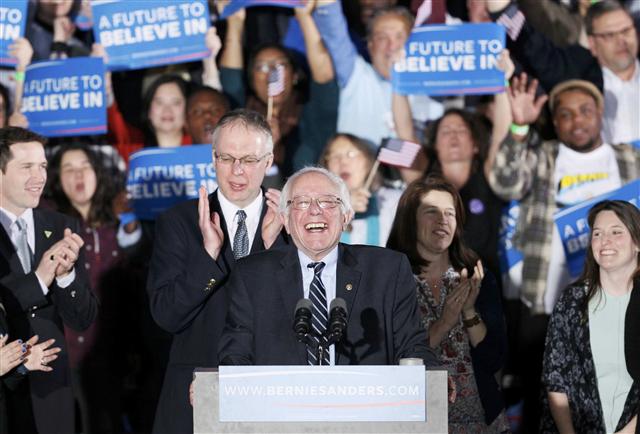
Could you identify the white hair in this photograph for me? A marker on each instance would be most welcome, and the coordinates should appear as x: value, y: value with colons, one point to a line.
x: 343, y: 190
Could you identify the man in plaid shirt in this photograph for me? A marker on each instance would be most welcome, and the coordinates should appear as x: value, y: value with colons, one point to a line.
x: 545, y: 176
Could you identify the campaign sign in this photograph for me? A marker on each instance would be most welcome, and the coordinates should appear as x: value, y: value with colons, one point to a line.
x: 636, y: 144
x: 509, y: 257
x: 236, y: 5
x: 574, y: 229
x: 322, y: 393
x: 13, y: 16
x: 144, y: 34
x: 161, y: 177
x: 451, y: 60
x: 65, y: 97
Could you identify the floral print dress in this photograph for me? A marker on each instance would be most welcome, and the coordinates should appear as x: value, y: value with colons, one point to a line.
x: 466, y: 414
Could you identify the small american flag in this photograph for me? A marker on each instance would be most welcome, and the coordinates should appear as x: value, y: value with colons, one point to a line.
x: 396, y: 152
x: 275, y: 81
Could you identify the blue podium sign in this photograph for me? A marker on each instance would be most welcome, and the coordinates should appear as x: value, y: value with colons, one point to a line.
x: 322, y: 393
x: 451, y: 60
x: 162, y: 177
x: 13, y: 16
x: 65, y: 97
x: 139, y: 34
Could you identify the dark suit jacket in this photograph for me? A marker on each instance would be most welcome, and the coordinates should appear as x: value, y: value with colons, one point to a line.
x: 377, y: 285
x: 189, y: 299
x: 45, y: 399
x: 632, y: 337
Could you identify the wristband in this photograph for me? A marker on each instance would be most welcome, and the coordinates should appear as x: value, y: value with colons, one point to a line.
x: 519, y: 130
x: 471, y: 322
x: 19, y: 76
x: 506, y: 82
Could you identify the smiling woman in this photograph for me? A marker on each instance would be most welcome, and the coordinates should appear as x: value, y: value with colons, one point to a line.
x: 588, y: 388
x: 460, y: 305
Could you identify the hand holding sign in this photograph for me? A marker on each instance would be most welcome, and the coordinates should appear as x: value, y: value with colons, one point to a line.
x: 22, y: 50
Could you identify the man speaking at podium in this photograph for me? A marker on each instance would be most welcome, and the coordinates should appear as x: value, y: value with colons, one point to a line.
x: 376, y: 284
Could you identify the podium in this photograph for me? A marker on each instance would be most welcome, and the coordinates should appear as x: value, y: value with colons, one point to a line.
x: 206, y: 412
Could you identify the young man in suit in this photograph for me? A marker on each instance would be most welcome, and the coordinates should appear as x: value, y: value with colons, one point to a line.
x: 43, y: 283
x: 197, y: 244
x: 383, y: 323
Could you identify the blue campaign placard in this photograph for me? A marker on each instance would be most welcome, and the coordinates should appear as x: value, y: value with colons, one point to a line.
x: 451, y: 60
x: 139, y: 34
x: 574, y: 229
x: 509, y: 257
x: 13, y: 16
x: 159, y: 178
x: 236, y: 5
x: 66, y: 97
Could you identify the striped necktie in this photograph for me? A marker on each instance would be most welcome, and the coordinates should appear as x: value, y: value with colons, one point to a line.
x: 319, y: 315
x: 241, y: 239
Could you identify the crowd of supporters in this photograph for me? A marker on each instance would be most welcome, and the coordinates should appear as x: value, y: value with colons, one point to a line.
x: 561, y: 133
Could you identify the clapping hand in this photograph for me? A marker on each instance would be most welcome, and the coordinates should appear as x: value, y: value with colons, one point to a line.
x: 271, y: 224
x: 212, y: 234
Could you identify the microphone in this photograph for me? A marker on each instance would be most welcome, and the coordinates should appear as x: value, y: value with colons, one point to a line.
x: 337, y: 319
x: 302, y: 318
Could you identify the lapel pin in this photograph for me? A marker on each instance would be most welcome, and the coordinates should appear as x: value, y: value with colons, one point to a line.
x: 73, y: 294
x: 348, y: 287
x: 47, y: 234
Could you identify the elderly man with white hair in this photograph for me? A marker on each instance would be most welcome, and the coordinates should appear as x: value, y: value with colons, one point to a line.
x: 383, y: 321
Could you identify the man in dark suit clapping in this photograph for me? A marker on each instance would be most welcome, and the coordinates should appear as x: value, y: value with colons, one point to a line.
x: 197, y: 244
x: 43, y: 284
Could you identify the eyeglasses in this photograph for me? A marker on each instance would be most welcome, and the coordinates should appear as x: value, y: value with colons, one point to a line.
x: 610, y: 36
x: 265, y: 67
x: 246, y: 161
x: 324, y: 202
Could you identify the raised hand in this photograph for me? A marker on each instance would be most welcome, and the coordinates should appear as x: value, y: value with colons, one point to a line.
x: 305, y: 9
x: 525, y: 107
x: 360, y: 199
x: 271, y: 224
x: 212, y: 234
x: 212, y: 41
x: 63, y: 29
x: 40, y: 355
x: 11, y: 355
x: 238, y: 16
x: 22, y: 50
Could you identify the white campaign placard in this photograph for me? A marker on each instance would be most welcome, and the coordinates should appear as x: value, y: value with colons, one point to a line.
x: 322, y: 393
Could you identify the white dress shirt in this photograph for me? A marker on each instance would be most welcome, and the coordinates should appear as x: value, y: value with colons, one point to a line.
x: 328, y: 277
x: 229, y: 212
x: 7, y: 219
x: 621, y: 122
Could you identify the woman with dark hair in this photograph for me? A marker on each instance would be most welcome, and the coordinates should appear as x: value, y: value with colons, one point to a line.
x: 588, y: 388
x: 163, y: 118
x: 301, y: 121
x: 351, y: 158
x: 460, y: 304
x: 79, y: 188
x: 460, y: 147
